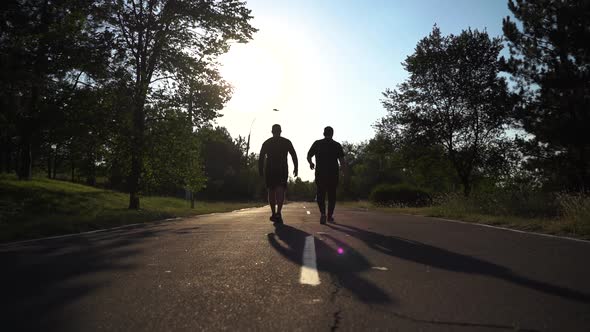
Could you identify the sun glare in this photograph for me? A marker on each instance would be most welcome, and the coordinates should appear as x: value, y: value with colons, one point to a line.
x: 257, y: 75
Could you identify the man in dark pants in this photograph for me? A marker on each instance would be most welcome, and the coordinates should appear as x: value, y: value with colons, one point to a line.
x: 274, y: 150
x: 327, y: 153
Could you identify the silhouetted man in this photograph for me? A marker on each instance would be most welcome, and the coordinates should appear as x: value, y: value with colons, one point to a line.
x: 274, y: 150
x: 327, y: 153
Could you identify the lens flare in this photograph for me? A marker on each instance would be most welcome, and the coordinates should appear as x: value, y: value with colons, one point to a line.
x: 340, y: 251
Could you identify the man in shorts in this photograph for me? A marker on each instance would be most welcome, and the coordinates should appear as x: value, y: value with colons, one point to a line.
x: 327, y: 154
x: 276, y: 170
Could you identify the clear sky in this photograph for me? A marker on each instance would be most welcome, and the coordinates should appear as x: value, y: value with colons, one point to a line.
x: 326, y: 62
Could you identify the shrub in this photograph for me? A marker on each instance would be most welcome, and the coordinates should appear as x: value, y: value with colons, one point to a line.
x: 399, y: 195
x: 500, y: 202
x: 575, y: 209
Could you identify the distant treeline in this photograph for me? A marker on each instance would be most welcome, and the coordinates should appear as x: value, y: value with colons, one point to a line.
x: 122, y: 94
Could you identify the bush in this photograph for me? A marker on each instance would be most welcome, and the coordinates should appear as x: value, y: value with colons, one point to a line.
x: 575, y: 209
x: 399, y: 195
x: 500, y: 202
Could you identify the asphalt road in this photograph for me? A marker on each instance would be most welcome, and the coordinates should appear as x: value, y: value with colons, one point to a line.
x: 235, y: 271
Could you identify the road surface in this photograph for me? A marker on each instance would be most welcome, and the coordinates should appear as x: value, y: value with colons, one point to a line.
x: 235, y: 271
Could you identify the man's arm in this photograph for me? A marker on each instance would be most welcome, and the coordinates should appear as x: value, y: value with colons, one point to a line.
x: 294, y: 157
x: 261, y: 158
x: 311, y: 153
x: 341, y: 159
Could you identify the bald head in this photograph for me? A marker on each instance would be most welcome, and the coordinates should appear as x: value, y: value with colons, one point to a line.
x: 276, y: 130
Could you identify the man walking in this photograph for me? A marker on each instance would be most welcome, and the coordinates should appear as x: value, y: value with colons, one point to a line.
x: 327, y: 153
x: 274, y: 150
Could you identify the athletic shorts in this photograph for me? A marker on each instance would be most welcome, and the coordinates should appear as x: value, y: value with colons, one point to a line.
x: 326, y: 181
x: 276, y: 179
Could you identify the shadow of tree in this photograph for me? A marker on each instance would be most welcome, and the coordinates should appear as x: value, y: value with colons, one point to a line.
x: 343, y: 268
x: 39, y: 279
x: 448, y: 260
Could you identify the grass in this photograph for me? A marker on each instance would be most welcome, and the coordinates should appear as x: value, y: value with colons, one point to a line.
x: 572, y: 218
x: 43, y: 207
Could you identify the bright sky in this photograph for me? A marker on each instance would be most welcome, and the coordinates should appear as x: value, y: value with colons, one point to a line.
x: 326, y: 62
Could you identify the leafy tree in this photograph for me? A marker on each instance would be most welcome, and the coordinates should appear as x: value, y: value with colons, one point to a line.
x: 299, y: 190
x: 165, y: 47
x: 42, y: 44
x: 223, y: 165
x: 453, y: 98
x: 550, y: 62
x: 173, y: 158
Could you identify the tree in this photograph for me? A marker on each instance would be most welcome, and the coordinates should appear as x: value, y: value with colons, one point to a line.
x: 453, y: 98
x: 44, y: 47
x: 550, y: 62
x: 165, y: 46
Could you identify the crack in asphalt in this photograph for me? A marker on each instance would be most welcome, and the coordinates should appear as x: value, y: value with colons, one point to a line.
x: 337, y: 315
x: 452, y: 323
x: 336, y: 321
x: 335, y: 281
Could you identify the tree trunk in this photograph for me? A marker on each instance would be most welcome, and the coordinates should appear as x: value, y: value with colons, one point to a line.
x: 6, y: 154
x: 136, y: 154
x: 73, y: 169
x: 192, y: 200
x: 583, y: 170
x: 25, y: 161
x: 91, y: 176
x: 54, y: 164
x: 49, y: 165
x: 466, y: 186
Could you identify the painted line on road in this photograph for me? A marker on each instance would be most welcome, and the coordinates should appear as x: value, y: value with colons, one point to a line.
x: 515, y: 230
x: 380, y: 268
x: 309, y: 272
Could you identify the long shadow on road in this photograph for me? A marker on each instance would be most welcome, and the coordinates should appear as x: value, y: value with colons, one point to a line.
x: 448, y: 260
x: 38, y: 281
x: 344, y: 268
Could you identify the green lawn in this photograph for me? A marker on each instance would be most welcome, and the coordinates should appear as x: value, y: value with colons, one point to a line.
x: 43, y: 207
x: 564, y: 226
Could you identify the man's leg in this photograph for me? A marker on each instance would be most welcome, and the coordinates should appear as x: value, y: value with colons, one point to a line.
x: 321, y: 198
x: 331, y: 201
x: 280, y: 198
x: 272, y: 200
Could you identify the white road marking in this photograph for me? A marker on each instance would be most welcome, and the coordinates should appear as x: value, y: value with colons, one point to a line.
x: 380, y: 268
x: 514, y: 230
x: 308, y: 212
x: 309, y: 272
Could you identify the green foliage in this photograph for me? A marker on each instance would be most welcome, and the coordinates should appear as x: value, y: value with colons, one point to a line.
x: 550, y: 64
x: 575, y: 208
x: 499, y: 202
x: 399, y: 195
x: 299, y: 190
x: 453, y: 98
x: 230, y: 175
x: 173, y: 159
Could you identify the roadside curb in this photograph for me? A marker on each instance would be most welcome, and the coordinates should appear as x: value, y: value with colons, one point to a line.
x: 481, y: 225
x: 512, y: 229
x: 15, y: 243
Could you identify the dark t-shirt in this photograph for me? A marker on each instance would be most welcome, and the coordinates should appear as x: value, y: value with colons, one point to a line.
x: 326, y: 152
x: 275, y: 150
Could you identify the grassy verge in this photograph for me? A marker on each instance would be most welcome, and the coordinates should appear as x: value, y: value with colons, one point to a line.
x: 566, y: 225
x: 43, y: 207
